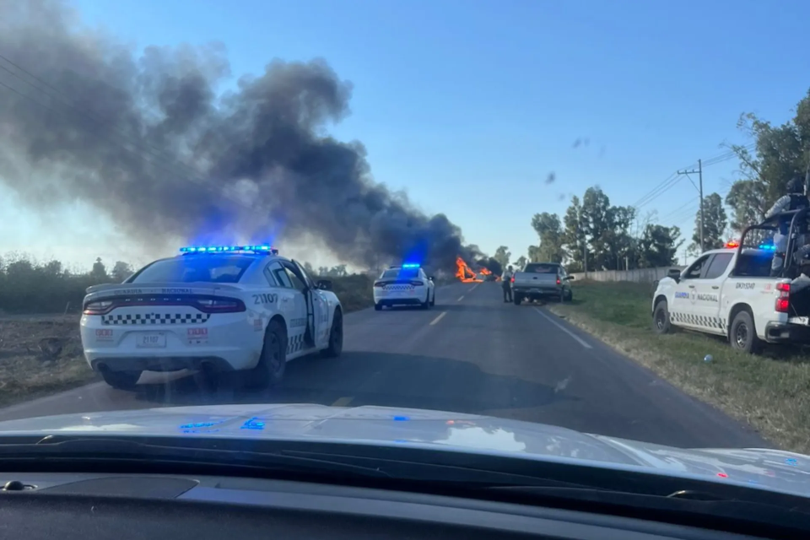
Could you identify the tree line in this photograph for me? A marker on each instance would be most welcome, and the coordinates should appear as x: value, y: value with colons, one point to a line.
x: 613, y: 237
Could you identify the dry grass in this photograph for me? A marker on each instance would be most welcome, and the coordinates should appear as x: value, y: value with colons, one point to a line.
x: 40, y: 356
x: 771, y: 392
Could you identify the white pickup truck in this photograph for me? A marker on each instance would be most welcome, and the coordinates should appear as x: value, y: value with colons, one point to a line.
x: 730, y: 292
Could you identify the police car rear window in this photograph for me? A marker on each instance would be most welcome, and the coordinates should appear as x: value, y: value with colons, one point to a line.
x: 400, y: 273
x: 195, y: 268
x: 542, y: 268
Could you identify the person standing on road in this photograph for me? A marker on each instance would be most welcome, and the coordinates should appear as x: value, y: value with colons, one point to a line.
x: 506, y: 283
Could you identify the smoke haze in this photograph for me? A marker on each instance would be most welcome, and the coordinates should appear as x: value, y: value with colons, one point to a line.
x: 148, y: 138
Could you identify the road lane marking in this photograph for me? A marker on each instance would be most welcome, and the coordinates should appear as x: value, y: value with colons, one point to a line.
x: 460, y: 298
x: 437, y: 319
x: 564, y: 329
x: 473, y: 287
x: 343, y: 401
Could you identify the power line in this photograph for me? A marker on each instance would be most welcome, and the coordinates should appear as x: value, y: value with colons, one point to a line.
x: 677, y: 210
x: 661, y: 188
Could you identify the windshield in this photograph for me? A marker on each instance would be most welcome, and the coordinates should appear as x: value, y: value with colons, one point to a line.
x: 203, y: 268
x: 521, y: 222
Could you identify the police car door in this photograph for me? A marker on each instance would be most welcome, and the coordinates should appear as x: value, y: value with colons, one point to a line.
x: 303, y: 304
x: 683, y: 309
x: 319, y: 308
x: 709, y: 287
x: 292, y: 310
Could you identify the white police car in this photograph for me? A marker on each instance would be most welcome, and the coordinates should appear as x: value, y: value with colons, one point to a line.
x: 404, y: 285
x: 211, y: 309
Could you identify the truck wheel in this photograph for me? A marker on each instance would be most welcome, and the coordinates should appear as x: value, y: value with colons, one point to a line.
x: 122, y: 380
x: 335, y: 337
x: 569, y: 296
x: 743, y: 334
x: 270, y: 370
x: 661, y: 323
x: 517, y: 298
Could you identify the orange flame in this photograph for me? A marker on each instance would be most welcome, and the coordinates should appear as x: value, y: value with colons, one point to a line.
x: 465, y: 274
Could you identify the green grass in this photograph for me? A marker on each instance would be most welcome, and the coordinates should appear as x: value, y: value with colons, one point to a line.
x: 771, y: 391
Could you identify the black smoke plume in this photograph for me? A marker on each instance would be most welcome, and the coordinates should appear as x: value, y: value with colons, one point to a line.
x: 155, y: 140
x: 492, y: 265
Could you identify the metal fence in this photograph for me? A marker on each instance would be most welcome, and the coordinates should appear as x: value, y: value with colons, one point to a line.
x: 640, y: 275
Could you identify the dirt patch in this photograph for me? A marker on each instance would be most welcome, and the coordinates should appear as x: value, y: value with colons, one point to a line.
x: 770, y: 392
x: 40, y: 356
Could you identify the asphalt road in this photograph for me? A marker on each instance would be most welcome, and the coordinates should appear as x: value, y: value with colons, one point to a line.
x: 471, y: 353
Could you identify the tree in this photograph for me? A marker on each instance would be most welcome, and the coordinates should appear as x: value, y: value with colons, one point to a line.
x: 780, y: 153
x: 658, y: 246
x: 747, y: 199
x: 574, y: 237
x: 549, y: 229
x: 121, y: 271
x: 502, y: 255
x: 520, y: 263
x: 604, y: 229
x: 534, y: 254
x: 99, y: 272
x: 714, y: 226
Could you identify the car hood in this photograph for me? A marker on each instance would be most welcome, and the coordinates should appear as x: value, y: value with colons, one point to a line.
x: 445, y: 431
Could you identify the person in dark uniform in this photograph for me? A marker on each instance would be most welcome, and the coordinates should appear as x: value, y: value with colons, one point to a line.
x: 506, y: 283
x: 795, y: 199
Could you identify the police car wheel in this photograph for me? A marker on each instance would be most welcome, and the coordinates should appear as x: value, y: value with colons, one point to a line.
x: 433, y: 299
x: 377, y: 307
x: 335, y: 337
x: 426, y: 303
x: 122, y: 380
x: 270, y: 370
x: 661, y: 322
x: 743, y: 334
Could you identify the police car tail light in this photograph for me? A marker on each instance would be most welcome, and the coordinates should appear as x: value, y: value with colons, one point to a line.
x: 98, y: 308
x: 417, y: 283
x: 783, y: 301
x: 220, y: 305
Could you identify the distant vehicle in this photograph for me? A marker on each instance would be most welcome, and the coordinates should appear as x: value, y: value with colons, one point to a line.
x: 542, y: 280
x: 211, y: 309
x: 737, y: 292
x: 404, y: 285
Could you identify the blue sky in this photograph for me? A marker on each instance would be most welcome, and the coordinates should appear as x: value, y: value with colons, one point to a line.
x: 469, y: 105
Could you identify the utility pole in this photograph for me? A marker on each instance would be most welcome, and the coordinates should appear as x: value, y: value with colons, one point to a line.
x: 699, y: 171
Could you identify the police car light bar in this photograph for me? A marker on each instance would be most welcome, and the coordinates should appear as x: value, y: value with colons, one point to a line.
x: 732, y: 244
x: 411, y: 265
x: 224, y: 249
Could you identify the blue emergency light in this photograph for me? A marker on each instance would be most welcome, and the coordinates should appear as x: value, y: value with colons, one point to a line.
x: 769, y: 247
x: 224, y: 249
x: 411, y: 265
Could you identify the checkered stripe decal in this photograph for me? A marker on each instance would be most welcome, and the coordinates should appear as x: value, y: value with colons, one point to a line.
x: 295, y: 344
x: 698, y: 320
x: 155, y: 318
x: 398, y: 288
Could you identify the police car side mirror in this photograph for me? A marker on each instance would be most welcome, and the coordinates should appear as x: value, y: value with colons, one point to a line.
x: 674, y: 273
x: 324, y: 285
